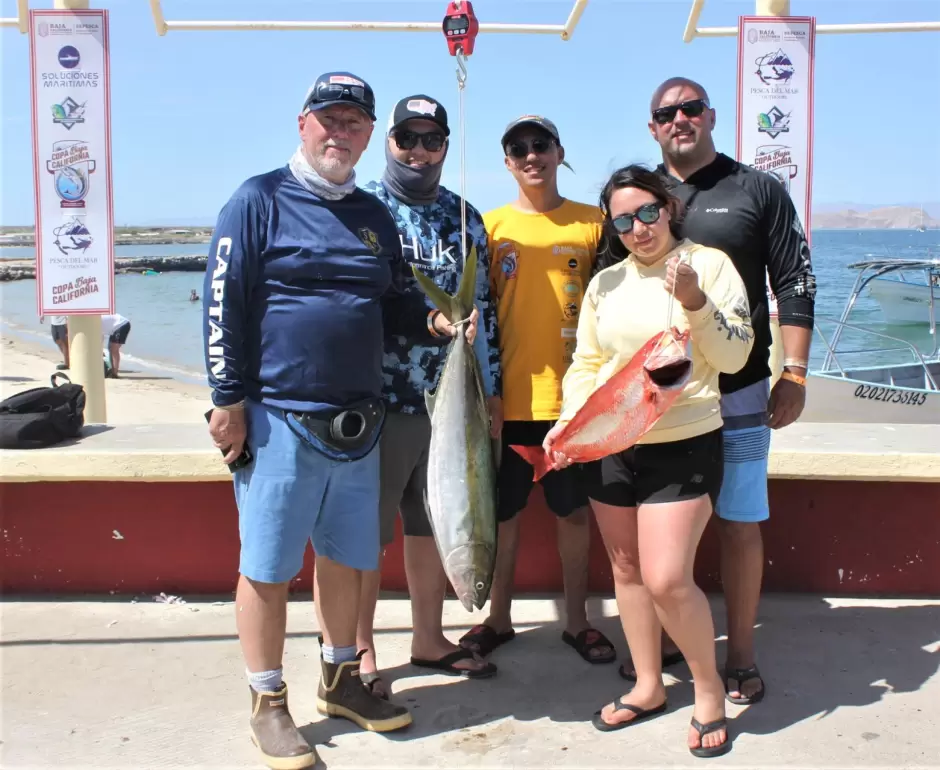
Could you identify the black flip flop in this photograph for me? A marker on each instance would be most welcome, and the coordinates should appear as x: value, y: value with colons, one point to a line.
x: 483, y: 639
x: 742, y: 675
x: 373, y: 680
x: 446, y: 664
x: 584, y: 647
x: 672, y: 659
x: 711, y: 727
x: 619, y: 705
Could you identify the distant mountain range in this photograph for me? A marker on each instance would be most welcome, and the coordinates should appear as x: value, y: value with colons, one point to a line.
x: 883, y: 218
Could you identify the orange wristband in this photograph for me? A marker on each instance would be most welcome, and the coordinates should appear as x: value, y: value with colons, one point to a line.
x: 793, y: 378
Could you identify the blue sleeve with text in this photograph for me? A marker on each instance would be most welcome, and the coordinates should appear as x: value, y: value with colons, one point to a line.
x: 231, y: 271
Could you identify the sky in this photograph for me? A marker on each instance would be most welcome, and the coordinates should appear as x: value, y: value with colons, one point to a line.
x: 195, y: 113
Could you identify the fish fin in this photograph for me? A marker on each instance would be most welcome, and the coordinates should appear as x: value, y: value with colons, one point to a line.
x: 467, y: 290
x: 536, y: 457
x: 460, y: 305
x: 429, y: 398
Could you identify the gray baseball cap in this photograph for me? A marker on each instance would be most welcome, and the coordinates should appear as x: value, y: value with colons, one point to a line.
x: 536, y: 121
x: 531, y: 120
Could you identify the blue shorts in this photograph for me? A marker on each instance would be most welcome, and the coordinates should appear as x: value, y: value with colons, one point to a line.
x: 292, y: 494
x: 743, y: 495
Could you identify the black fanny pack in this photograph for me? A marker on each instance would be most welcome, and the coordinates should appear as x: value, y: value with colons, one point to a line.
x: 347, y: 434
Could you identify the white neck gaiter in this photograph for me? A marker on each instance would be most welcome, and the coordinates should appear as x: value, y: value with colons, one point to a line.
x: 310, y: 180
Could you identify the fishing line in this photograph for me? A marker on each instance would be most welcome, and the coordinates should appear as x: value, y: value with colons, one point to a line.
x: 461, y: 82
x: 669, y: 305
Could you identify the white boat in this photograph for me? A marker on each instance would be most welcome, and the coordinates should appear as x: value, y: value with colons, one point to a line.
x: 906, y: 291
x: 905, y: 393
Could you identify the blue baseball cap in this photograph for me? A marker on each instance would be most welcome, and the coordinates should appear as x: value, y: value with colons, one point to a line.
x: 340, y: 88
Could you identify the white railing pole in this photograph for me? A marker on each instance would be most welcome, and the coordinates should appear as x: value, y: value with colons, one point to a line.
x: 163, y: 26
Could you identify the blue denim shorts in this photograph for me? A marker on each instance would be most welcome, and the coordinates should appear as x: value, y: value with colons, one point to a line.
x: 292, y: 494
x: 743, y: 495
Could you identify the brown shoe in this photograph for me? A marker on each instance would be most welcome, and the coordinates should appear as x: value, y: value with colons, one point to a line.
x: 342, y: 694
x: 274, y: 733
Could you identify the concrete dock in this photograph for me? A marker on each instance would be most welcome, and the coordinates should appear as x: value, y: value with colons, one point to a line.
x: 107, y: 683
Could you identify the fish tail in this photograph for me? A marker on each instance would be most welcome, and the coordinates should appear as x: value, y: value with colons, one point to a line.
x: 534, y: 456
x: 455, y: 307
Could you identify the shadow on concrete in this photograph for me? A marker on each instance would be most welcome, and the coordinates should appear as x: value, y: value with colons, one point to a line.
x: 17, y: 379
x: 842, y: 656
x: 813, y: 662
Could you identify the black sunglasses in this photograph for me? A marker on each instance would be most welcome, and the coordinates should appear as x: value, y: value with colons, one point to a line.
x: 520, y: 150
x: 691, y: 109
x: 331, y: 92
x: 647, y: 214
x: 432, y: 141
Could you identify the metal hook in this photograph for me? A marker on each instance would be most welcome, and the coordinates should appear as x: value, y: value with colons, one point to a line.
x: 461, y: 67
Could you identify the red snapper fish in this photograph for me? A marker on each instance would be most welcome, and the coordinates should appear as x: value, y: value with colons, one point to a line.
x: 623, y: 409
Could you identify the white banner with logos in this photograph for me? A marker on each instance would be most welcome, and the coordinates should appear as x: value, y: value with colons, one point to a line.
x: 71, y: 121
x: 776, y: 56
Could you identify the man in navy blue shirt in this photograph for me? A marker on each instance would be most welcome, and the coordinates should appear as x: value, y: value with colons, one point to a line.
x: 304, y: 275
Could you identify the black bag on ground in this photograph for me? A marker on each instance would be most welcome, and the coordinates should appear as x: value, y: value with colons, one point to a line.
x: 41, y: 417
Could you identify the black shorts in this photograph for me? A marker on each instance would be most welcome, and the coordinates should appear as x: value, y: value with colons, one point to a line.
x: 565, y: 490
x: 119, y: 335
x: 60, y: 332
x: 660, y: 473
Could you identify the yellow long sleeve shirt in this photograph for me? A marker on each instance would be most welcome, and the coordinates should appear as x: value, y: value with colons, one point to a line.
x: 626, y: 304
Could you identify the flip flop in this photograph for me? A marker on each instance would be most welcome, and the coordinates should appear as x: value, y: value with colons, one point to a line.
x: 591, y: 639
x: 711, y: 727
x: 483, y: 639
x: 672, y: 659
x: 619, y: 705
x: 742, y: 675
x: 373, y: 680
x: 446, y: 664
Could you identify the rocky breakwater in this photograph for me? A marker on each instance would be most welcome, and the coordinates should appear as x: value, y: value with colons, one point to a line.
x: 20, y: 269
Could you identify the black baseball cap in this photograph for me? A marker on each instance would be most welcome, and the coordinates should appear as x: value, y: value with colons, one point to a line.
x: 419, y: 107
x: 340, y: 88
x: 531, y: 120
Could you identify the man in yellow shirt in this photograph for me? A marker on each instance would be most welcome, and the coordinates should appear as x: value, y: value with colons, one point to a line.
x: 542, y: 249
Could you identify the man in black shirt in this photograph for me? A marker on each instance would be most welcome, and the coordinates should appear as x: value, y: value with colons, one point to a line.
x: 750, y: 216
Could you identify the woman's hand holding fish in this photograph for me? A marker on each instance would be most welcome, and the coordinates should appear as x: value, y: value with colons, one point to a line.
x: 682, y: 281
x: 443, y: 327
x: 558, y: 459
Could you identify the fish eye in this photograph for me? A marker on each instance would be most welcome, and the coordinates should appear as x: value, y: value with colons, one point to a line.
x: 480, y: 586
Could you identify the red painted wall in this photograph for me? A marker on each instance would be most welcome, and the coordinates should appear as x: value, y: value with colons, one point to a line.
x: 182, y: 538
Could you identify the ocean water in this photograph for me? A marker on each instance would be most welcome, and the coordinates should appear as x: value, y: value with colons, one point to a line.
x: 166, y: 326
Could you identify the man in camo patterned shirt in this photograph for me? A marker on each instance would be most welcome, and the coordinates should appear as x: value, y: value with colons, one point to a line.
x: 428, y: 217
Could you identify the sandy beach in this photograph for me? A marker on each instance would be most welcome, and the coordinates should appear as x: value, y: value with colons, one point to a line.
x: 137, y: 397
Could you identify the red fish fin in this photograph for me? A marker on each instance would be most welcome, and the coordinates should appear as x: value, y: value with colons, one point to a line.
x: 534, y: 456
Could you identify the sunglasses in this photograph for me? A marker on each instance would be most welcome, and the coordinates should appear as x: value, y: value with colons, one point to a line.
x: 691, y: 109
x: 648, y: 215
x: 330, y: 92
x: 432, y: 141
x: 520, y: 150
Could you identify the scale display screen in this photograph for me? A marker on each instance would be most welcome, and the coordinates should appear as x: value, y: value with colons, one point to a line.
x: 456, y: 24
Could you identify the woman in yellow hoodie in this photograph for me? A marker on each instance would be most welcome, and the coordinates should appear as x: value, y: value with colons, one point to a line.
x: 652, y: 501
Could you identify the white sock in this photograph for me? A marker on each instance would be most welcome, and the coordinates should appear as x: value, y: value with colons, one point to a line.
x: 265, y: 681
x: 338, y: 654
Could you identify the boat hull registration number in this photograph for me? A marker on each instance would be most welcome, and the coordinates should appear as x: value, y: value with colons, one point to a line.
x: 890, y: 395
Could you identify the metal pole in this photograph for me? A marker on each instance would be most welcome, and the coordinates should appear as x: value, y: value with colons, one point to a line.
x: 573, y: 18
x: 772, y: 8
x: 87, y: 366
x: 833, y: 29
